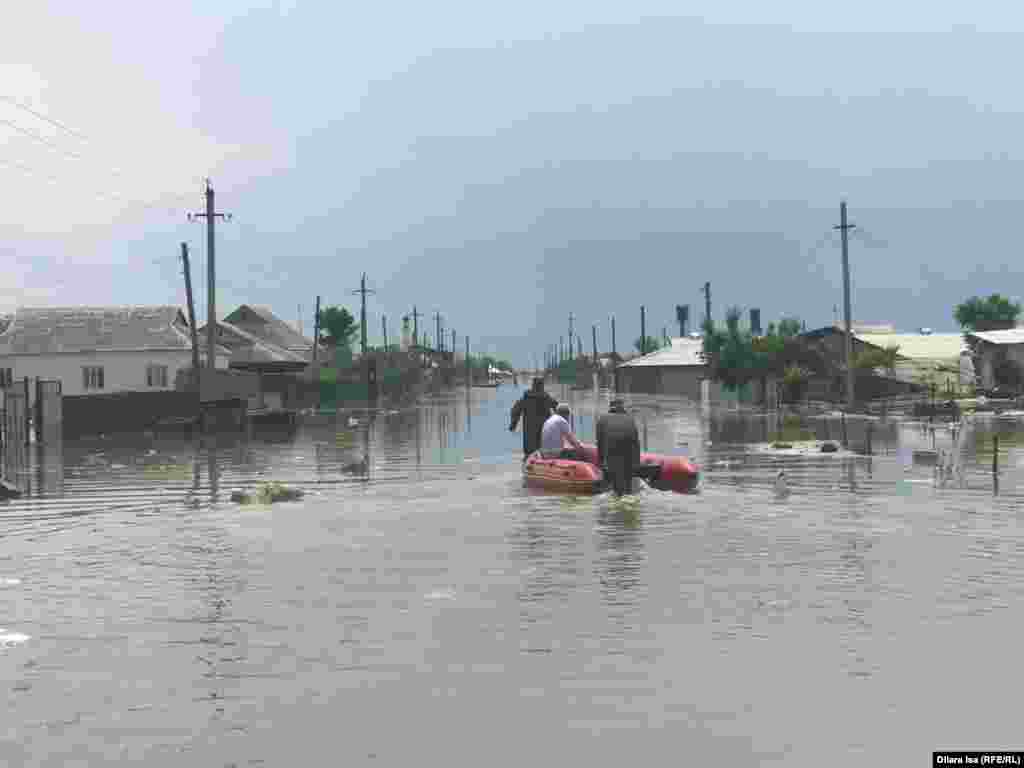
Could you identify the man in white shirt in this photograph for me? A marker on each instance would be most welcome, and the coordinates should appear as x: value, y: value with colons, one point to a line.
x: 556, y: 433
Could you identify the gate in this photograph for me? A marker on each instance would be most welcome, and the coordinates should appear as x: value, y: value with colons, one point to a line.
x: 15, y: 432
x: 49, y: 411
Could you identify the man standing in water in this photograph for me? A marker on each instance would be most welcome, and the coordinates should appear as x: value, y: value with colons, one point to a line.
x: 534, y: 407
x: 618, y: 447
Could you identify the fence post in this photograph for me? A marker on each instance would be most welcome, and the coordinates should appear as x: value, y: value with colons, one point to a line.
x: 995, y: 464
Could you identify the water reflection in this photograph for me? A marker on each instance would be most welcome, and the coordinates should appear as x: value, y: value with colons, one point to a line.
x: 621, y: 560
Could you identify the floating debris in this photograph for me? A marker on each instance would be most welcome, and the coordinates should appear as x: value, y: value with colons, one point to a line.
x: 266, y: 493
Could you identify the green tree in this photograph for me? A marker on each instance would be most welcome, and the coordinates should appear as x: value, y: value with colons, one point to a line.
x: 337, y: 326
x: 650, y: 344
x: 870, y: 359
x: 991, y: 314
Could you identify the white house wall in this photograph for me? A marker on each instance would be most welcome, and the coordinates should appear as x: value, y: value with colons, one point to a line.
x: 122, y: 371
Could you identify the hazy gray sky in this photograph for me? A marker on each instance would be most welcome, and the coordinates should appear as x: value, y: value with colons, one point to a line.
x: 508, y: 164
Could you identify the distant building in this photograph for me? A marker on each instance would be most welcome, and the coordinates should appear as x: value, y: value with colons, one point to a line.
x: 98, y: 350
x: 674, y: 370
x: 995, y: 348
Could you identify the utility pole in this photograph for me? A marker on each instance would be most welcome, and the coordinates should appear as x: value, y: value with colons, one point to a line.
x: 469, y: 367
x: 415, y: 326
x: 316, y: 329
x: 300, y: 319
x: 437, y: 329
x: 707, y: 303
x: 363, y: 290
x: 570, y: 334
x: 593, y: 332
x: 614, y: 352
x: 191, y: 311
x: 384, y: 324
x: 845, y: 227
x: 453, y: 346
x: 561, y: 339
x: 211, y: 304
x: 643, y: 331
x: 579, y: 346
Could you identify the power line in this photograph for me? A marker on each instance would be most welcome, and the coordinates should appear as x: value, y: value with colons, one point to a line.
x: 50, y: 120
x: 41, y: 139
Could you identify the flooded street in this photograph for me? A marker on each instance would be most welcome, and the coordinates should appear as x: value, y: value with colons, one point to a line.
x: 419, y: 605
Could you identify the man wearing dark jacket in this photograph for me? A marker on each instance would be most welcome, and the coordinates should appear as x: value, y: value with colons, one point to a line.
x: 533, y: 407
x: 618, y: 447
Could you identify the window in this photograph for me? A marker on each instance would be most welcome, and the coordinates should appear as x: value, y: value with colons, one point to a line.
x: 92, y: 377
x: 156, y: 375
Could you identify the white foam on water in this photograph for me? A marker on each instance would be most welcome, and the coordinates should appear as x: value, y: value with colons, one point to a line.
x: 441, y: 594
x: 8, y: 639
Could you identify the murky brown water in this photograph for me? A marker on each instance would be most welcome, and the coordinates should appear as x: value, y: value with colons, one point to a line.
x: 424, y: 608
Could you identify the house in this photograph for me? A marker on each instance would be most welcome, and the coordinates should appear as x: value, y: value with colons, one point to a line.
x: 674, y: 370
x: 995, y: 349
x: 99, y: 350
x: 923, y: 356
x: 249, y: 352
x: 262, y: 324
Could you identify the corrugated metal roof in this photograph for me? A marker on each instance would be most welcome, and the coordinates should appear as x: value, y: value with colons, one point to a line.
x: 919, y: 346
x: 62, y: 330
x: 683, y: 352
x: 261, y: 322
x: 1010, y: 336
x: 248, y: 348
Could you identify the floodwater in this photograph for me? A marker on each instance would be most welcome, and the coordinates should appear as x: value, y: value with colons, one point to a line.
x: 419, y: 606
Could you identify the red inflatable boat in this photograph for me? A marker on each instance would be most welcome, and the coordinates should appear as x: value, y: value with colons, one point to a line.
x: 674, y: 473
x: 563, y: 474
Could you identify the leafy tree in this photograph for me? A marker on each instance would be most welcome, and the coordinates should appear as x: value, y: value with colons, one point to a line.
x: 650, y: 344
x: 991, y: 314
x: 870, y: 359
x: 337, y: 326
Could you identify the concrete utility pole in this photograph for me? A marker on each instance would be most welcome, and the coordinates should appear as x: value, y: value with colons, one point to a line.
x: 593, y: 333
x: 191, y: 310
x: 384, y: 326
x: 437, y: 329
x: 316, y: 329
x: 362, y: 291
x: 211, y: 304
x: 469, y: 367
x: 707, y: 303
x: 844, y: 227
x: 561, y: 340
x: 415, y: 326
x: 614, y: 352
x: 643, y: 331
x: 570, y: 334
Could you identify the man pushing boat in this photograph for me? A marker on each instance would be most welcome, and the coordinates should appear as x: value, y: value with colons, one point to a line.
x: 534, y: 408
x: 618, y: 447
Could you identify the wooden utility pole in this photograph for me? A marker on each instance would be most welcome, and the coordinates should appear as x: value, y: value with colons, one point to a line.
x: 211, y: 217
x: 845, y: 227
x: 643, y: 331
x: 191, y: 310
x: 316, y: 329
x: 362, y: 291
x: 707, y: 303
x: 415, y: 326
